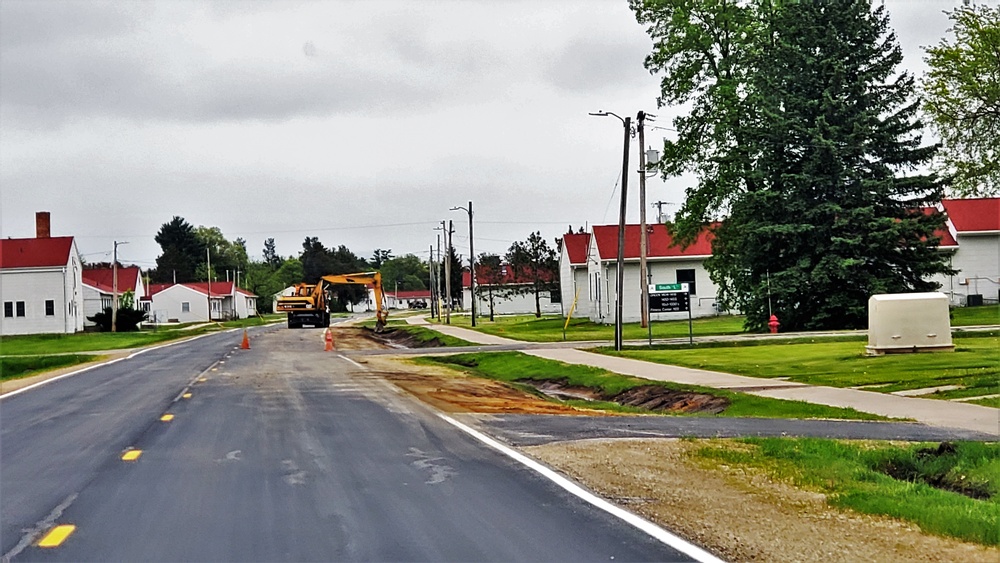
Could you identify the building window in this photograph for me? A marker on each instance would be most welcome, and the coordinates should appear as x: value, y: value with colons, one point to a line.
x: 185, y: 307
x: 687, y: 276
x: 50, y: 308
x: 8, y: 309
x: 20, y: 308
x: 555, y: 297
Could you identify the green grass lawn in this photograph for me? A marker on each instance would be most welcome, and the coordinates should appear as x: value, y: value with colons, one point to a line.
x: 426, y: 334
x: 16, y: 367
x: 967, y: 316
x: 856, y: 475
x: 549, y: 328
x: 514, y: 366
x: 40, y: 344
x: 975, y: 364
x: 255, y: 321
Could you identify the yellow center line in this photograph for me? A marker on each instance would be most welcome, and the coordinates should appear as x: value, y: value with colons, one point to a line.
x: 203, y: 379
x: 186, y: 396
x: 167, y: 417
x: 56, y: 535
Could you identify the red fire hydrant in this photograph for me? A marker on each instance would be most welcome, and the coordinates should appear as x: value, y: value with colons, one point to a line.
x: 773, y: 324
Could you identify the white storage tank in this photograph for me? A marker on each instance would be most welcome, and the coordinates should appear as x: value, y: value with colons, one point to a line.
x: 908, y: 322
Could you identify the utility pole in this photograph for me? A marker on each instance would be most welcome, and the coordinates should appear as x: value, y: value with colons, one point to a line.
x: 430, y: 267
x: 208, y: 266
x: 640, y: 119
x: 447, y: 273
x: 660, y: 217
x: 440, y: 287
x: 114, y: 288
x: 472, y: 261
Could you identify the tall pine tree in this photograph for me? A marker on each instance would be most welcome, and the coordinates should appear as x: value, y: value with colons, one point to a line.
x: 838, y: 213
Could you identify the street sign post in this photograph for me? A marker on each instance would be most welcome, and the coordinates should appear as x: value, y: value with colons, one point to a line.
x: 670, y: 298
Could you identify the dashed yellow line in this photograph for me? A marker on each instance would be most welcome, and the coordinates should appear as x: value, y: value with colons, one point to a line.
x: 131, y: 455
x: 203, y: 379
x: 56, y: 535
x: 186, y: 396
x: 167, y: 417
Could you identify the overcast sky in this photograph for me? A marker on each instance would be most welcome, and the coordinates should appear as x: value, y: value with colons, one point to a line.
x: 360, y: 123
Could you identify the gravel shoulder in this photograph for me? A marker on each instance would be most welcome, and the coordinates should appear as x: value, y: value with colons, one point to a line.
x: 739, y: 515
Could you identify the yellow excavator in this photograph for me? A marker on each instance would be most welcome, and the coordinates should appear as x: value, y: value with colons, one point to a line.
x: 310, y: 302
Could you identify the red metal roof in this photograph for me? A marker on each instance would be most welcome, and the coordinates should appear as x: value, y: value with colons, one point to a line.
x: 103, y: 279
x: 576, y: 247
x: 661, y: 244
x: 35, y: 252
x: 971, y: 215
x: 219, y: 288
x: 411, y: 294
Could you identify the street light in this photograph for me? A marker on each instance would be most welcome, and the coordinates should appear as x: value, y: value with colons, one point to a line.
x: 619, y: 286
x: 114, y: 288
x: 472, y: 261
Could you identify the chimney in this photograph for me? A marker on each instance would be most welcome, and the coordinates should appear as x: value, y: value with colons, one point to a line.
x: 42, y: 229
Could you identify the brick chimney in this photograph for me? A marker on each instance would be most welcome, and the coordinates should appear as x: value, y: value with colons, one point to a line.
x: 42, y: 229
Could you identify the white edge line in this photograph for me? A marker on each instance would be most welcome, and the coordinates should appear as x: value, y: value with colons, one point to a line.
x: 350, y: 360
x: 639, y: 522
x: 108, y: 363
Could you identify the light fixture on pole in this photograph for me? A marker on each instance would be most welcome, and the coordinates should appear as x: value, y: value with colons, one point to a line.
x: 472, y: 261
x: 619, y: 286
x: 114, y: 288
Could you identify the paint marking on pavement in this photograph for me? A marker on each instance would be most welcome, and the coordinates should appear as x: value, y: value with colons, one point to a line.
x: 186, y: 396
x: 204, y: 379
x: 352, y: 361
x: 167, y: 417
x: 639, y: 522
x: 31, y: 533
x: 131, y: 455
x: 56, y: 535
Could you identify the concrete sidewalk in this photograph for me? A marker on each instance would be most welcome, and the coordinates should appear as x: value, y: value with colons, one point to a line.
x: 933, y: 412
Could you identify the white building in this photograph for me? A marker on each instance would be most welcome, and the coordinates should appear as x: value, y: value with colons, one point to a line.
x: 511, y: 295
x: 40, y: 283
x: 666, y: 264
x: 98, y: 288
x: 973, y: 232
x: 189, y: 302
x: 573, y: 284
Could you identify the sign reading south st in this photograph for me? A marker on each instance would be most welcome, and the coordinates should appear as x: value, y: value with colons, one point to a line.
x: 669, y: 298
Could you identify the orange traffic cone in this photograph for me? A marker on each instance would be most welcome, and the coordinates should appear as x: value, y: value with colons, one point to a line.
x: 328, y: 337
x: 246, y: 341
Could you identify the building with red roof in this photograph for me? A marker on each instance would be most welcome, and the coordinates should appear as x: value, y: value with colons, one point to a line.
x: 573, y: 287
x: 973, y: 232
x: 99, y: 287
x: 667, y: 263
x: 40, y: 283
x: 189, y: 302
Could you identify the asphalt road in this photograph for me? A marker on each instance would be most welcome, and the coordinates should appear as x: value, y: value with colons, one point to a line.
x: 281, y: 453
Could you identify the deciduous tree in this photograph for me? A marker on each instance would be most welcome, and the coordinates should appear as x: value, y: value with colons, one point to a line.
x: 962, y: 99
x: 534, y: 263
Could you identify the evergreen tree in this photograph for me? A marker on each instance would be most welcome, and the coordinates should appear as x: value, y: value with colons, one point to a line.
x: 182, y: 253
x: 833, y: 219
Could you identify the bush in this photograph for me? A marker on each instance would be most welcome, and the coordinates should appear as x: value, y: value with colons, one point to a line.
x: 128, y: 319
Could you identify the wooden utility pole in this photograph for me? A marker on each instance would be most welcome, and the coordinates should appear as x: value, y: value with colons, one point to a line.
x: 447, y: 273
x: 640, y: 119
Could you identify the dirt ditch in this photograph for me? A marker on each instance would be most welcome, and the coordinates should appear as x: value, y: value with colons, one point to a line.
x: 397, y: 338
x: 932, y: 467
x: 654, y: 398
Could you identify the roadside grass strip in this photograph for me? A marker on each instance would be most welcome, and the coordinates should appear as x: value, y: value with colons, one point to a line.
x: 515, y: 368
x: 975, y: 316
x: 948, y: 489
x: 56, y: 536
x: 17, y: 367
x: 973, y: 368
x: 43, y: 344
x: 549, y: 328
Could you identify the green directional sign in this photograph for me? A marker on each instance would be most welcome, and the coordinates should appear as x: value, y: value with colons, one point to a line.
x: 660, y: 287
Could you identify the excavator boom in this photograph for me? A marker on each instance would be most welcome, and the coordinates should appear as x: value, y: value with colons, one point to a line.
x: 308, y: 303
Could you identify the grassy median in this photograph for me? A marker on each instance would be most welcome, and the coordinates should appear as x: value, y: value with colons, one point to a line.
x: 946, y: 489
x: 974, y: 366
x: 515, y: 367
